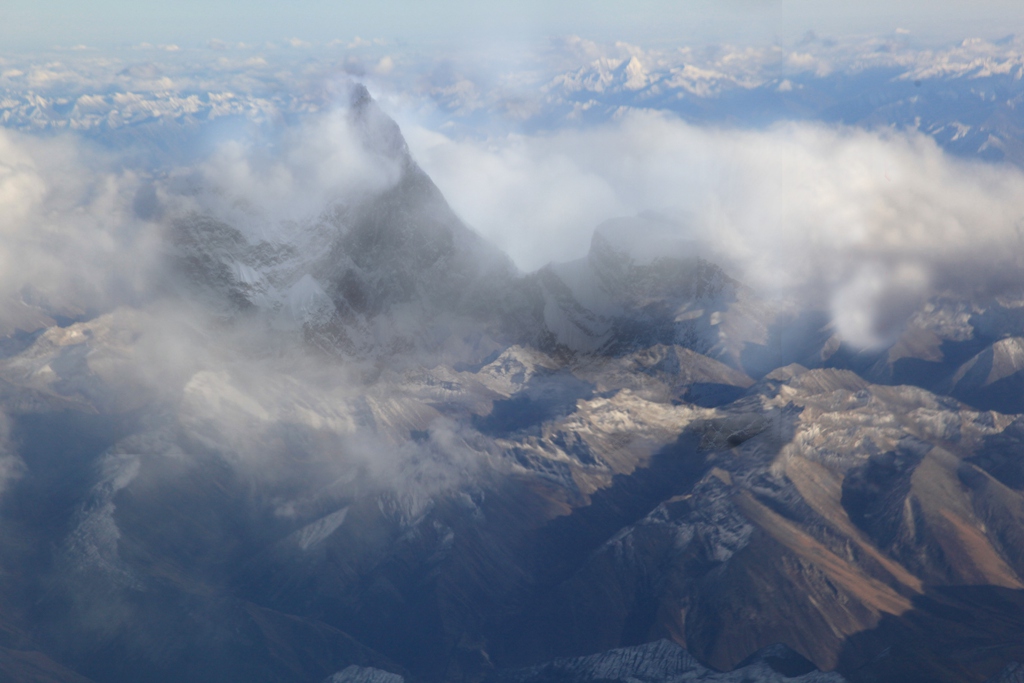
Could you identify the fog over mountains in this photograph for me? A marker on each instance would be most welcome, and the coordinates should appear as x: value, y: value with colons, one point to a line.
x: 654, y: 393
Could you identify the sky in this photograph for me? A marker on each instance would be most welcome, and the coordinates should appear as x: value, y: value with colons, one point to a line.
x: 42, y: 24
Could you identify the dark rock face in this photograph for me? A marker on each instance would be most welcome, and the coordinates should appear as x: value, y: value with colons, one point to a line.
x: 874, y: 493
x: 384, y: 455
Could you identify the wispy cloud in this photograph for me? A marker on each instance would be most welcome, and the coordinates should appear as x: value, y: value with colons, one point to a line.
x: 866, y: 223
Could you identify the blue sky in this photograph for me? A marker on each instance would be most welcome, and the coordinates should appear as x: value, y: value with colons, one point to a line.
x: 39, y: 24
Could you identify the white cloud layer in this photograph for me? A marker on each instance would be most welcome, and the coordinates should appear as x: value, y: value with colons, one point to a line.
x: 70, y: 239
x: 296, y: 172
x: 867, y: 222
x: 82, y: 236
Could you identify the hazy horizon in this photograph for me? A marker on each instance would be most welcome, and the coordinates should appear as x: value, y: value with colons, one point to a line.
x: 41, y: 25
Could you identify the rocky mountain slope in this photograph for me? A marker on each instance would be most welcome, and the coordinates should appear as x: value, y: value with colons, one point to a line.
x: 367, y: 448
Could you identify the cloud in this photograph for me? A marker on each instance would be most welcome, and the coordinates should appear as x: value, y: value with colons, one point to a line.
x: 316, y: 423
x: 293, y: 172
x: 537, y: 203
x: 866, y: 223
x: 70, y: 240
x: 83, y: 227
x: 84, y: 236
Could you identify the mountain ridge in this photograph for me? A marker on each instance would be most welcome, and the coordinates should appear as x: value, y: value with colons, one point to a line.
x: 399, y: 454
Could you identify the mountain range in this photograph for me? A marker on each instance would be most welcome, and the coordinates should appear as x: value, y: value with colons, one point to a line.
x: 367, y: 449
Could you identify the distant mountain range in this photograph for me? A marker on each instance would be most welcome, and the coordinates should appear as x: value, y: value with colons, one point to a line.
x: 967, y: 96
